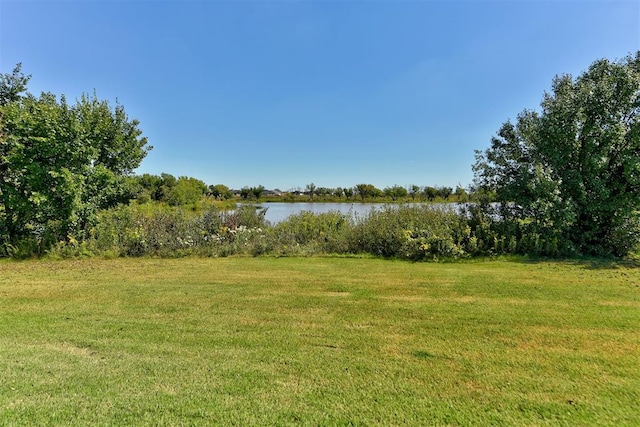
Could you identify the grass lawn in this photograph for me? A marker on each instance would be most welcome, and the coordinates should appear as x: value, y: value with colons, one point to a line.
x: 318, y: 341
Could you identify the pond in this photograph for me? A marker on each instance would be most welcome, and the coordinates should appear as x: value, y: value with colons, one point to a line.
x: 277, y: 212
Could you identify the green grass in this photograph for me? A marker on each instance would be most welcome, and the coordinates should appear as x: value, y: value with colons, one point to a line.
x: 318, y: 341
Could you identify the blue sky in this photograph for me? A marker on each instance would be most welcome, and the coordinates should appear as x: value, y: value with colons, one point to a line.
x: 284, y: 93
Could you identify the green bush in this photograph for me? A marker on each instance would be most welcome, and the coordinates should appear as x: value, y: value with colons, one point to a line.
x: 310, y: 233
x: 414, y: 232
x: 160, y: 230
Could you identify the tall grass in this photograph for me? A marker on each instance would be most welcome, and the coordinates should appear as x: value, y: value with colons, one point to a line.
x: 411, y: 231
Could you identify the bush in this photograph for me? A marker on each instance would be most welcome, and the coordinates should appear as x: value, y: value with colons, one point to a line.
x: 309, y: 233
x: 413, y: 232
x: 160, y: 230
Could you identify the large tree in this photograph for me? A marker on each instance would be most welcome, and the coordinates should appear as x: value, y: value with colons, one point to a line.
x: 60, y: 163
x: 570, y: 173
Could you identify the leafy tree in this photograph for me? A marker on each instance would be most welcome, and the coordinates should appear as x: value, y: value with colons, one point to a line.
x: 60, y: 163
x: 245, y: 192
x: 257, y: 191
x: 220, y: 191
x: 13, y: 85
x: 348, y: 192
x: 570, y: 174
x: 168, y: 183
x: 148, y: 187
x: 395, y: 192
x: 461, y: 194
x: 414, y: 190
x: 367, y: 191
x: 430, y: 193
x: 445, y: 192
x: 311, y: 190
x: 323, y: 191
x: 186, y: 191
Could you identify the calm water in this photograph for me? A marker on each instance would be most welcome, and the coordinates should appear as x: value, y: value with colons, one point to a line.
x: 277, y: 212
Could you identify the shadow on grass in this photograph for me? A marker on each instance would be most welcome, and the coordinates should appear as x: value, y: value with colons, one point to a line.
x: 592, y: 263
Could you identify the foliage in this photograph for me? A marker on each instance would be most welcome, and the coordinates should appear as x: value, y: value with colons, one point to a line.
x: 311, y: 233
x: 13, y: 85
x: 567, y: 179
x: 60, y: 164
x: 162, y: 230
x: 257, y: 191
x: 367, y: 191
x: 186, y: 191
x: 220, y: 191
x: 413, y: 232
x: 395, y: 192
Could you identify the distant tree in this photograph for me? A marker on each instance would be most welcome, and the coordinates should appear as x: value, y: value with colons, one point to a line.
x: 461, y: 194
x: 338, y: 192
x: 414, y: 190
x: 311, y: 190
x: 220, y: 191
x: 430, y: 193
x: 257, y: 191
x: 186, y: 191
x: 149, y: 187
x: 348, y: 192
x: 445, y: 192
x: 168, y: 182
x: 366, y: 191
x: 395, y: 192
x: 323, y: 191
x: 245, y: 192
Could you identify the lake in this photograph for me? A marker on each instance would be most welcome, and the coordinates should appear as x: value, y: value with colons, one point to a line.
x: 277, y: 212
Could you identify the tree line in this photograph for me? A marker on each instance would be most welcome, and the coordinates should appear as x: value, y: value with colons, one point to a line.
x: 188, y: 190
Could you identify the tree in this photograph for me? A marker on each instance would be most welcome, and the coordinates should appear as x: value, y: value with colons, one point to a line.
x: 257, y: 191
x: 60, y: 163
x: 414, y: 190
x: 323, y: 191
x: 220, y: 191
x: 186, y: 191
x: 348, y: 192
x: 461, y: 194
x: 245, y: 192
x: 570, y: 173
x: 445, y: 192
x: 149, y: 187
x: 311, y: 189
x: 13, y: 85
x: 395, y: 192
x: 430, y: 193
x: 367, y: 191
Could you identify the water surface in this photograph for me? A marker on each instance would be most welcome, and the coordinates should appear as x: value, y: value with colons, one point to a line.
x: 277, y: 212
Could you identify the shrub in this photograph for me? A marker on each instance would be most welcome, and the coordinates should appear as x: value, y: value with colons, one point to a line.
x: 161, y: 230
x: 414, y: 232
x: 311, y: 233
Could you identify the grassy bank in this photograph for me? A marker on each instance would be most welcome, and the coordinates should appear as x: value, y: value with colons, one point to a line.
x: 318, y: 341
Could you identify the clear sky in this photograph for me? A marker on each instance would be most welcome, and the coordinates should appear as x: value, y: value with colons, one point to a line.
x: 285, y: 93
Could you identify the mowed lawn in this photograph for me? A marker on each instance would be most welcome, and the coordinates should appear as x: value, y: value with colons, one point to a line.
x: 318, y: 341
